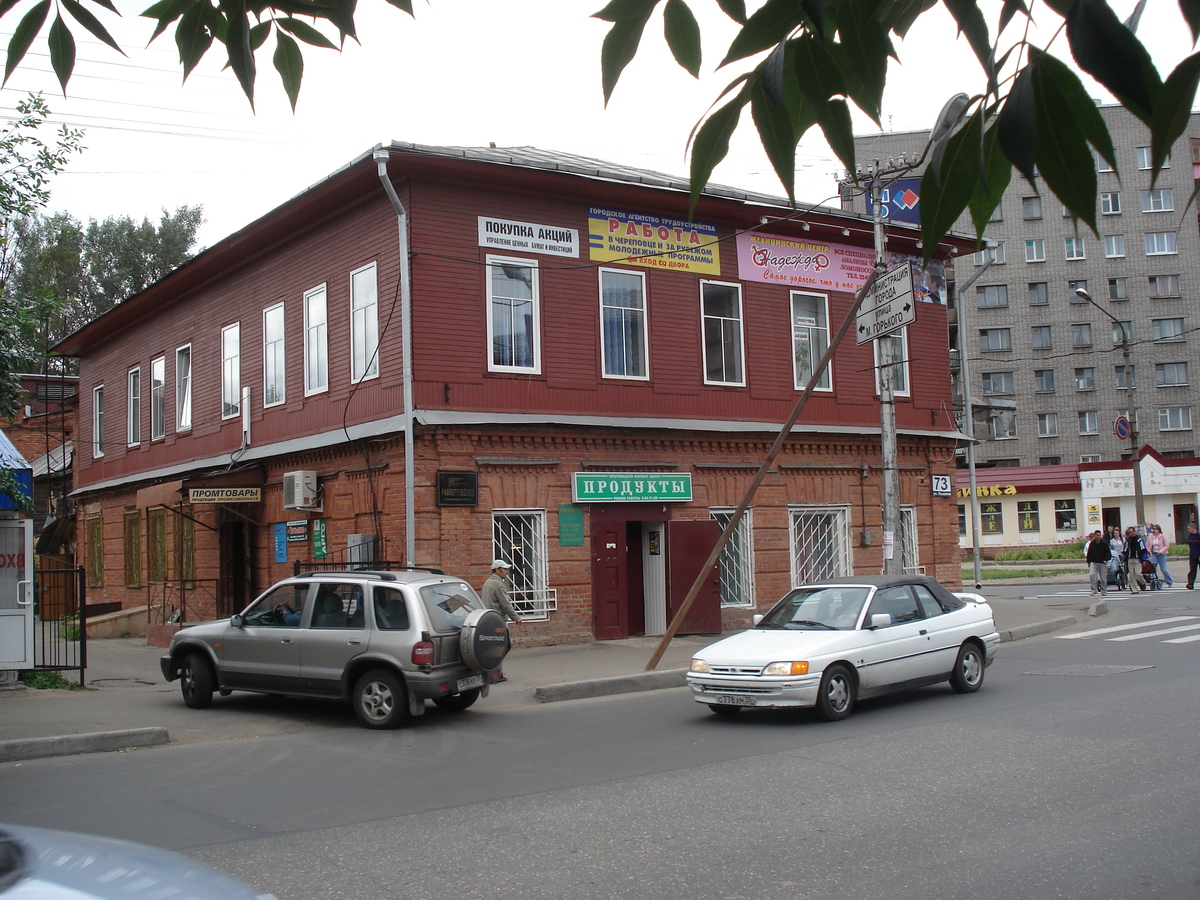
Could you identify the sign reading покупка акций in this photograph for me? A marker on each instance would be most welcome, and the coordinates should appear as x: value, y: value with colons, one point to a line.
x: 630, y: 487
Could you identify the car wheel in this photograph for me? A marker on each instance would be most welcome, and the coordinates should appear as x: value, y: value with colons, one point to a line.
x: 458, y: 702
x: 967, y: 675
x: 835, y: 697
x: 724, y: 711
x: 380, y: 700
x: 196, y: 681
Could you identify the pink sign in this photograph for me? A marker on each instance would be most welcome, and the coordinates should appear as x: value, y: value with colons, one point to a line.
x: 796, y: 262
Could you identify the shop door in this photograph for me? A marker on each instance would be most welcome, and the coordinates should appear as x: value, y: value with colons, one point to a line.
x: 610, y: 580
x: 1185, y: 514
x: 233, y: 587
x: 16, y: 593
x: 689, y: 545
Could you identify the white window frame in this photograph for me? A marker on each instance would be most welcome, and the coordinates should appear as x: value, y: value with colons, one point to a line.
x: 997, y: 331
x: 158, y: 398
x: 1074, y: 248
x: 133, y: 407
x: 1035, y: 250
x: 1039, y: 381
x: 364, y: 324
x: 1110, y: 203
x: 1124, y: 376
x: 998, y: 384
x: 1035, y: 331
x: 231, y: 371
x: 1047, y: 424
x: 1161, y: 243
x: 1081, y: 334
x: 819, y: 543
x: 901, y: 386
x: 991, y: 296
x: 1161, y: 336
x: 1145, y: 159
x: 274, y: 356
x: 996, y: 253
x: 1089, y: 421
x: 1157, y: 200
x: 737, y: 560
x: 1085, y: 378
x: 1118, y: 288
x: 724, y: 323
x: 535, y: 319
x: 1114, y: 246
x: 910, y: 542
x: 316, y: 340
x: 1172, y: 374
x: 183, y: 388
x: 1031, y: 208
x: 1173, y: 287
x: 97, y: 421
x: 1175, y: 418
x: 632, y: 324
x: 805, y: 336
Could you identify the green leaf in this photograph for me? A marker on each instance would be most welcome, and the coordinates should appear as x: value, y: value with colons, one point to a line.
x: 900, y: 15
x: 289, y: 63
x: 711, y: 144
x: 305, y: 32
x: 192, y: 38
x: 1011, y: 8
x: 237, y: 45
x: 735, y: 9
x: 949, y: 182
x: 626, y: 10
x: 817, y: 71
x: 1017, y: 125
x: 780, y: 128
x: 1063, y: 157
x: 62, y: 51
x: 405, y: 5
x: 834, y: 119
x: 866, y: 48
x: 1174, y: 110
x: 1191, y: 12
x: 1108, y: 51
x: 971, y: 23
x: 259, y: 33
x: 6, y: 6
x: 166, y: 12
x: 91, y: 23
x: 1085, y: 117
x: 995, y: 172
x: 620, y: 46
x: 23, y: 36
x: 772, y: 23
x: 683, y: 35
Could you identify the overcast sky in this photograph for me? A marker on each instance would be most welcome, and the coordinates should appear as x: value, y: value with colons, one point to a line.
x: 464, y: 72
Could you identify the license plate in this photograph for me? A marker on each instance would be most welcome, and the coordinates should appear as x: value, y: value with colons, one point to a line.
x: 733, y: 700
x: 465, y: 684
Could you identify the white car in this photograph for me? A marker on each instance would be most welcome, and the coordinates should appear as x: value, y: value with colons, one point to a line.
x: 828, y: 644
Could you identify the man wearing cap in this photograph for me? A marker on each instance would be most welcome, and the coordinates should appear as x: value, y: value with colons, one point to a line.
x: 495, y: 591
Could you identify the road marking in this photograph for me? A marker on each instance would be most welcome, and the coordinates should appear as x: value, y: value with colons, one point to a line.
x: 1186, y: 640
x: 1115, y: 628
x: 1159, y: 633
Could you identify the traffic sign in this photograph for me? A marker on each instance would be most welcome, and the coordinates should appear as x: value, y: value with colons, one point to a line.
x: 889, y: 307
x: 1122, y: 428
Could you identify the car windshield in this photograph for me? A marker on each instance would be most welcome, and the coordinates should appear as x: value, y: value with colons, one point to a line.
x: 449, y: 604
x: 818, y: 608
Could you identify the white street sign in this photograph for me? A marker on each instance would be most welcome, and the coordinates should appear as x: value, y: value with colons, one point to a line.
x: 889, y: 307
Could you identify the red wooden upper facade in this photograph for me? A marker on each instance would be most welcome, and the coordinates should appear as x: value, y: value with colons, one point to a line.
x: 544, y: 288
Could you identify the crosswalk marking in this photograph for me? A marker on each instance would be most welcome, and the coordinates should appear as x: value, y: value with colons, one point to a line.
x: 1184, y: 640
x: 1115, y: 628
x: 1149, y: 634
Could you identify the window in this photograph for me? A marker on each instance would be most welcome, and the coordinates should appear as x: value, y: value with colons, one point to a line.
x: 98, y: 422
x: 721, y: 311
x: 185, y: 546
x: 1043, y: 381
x: 1114, y: 246
x: 1175, y: 418
x: 997, y: 213
x: 820, y: 543
x: 991, y: 518
x: 1089, y: 457
x: 158, y: 400
x: 1103, y: 165
x: 1028, y: 517
x: 513, y: 315
x: 998, y: 383
x: 95, y: 551
x: 132, y: 550
x: 1110, y: 203
x: 519, y: 536
x: 1085, y: 378
x: 995, y: 339
x: 1118, y: 289
x: 996, y: 254
x: 1158, y: 200
x: 1049, y: 460
x: 1164, y: 330
x: 1122, y: 332
x: 231, y: 370
x: 1074, y: 248
x: 1035, y: 251
x: 183, y: 388
x: 1002, y: 425
x: 1145, y: 159
x: 316, y: 342
x: 364, y: 324
x: 1089, y: 422
x: 1079, y: 284
x: 1125, y: 377
x: 991, y: 295
x: 623, y: 338
x: 962, y: 519
x: 897, y: 344
x: 1081, y: 334
x: 810, y: 337
x: 1164, y: 286
x: 273, y: 356
x: 1171, y: 374
x: 1047, y: 424
x: 737, y: 560
x: 1040, y: 337
x: 134, y: 408
x: 1039, y: 293
x: 1160, y: 243
x: 156, y: 545
x: 1031, y: 208
x: 1064, y: 515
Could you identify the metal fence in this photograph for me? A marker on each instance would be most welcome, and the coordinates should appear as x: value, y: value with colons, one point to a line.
x: 182, y: 601
x: 60, y: 617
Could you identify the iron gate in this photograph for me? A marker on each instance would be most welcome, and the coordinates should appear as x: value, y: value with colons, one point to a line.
x: 60, y: 617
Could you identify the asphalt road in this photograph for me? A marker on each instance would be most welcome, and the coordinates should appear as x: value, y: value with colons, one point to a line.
x: 1051, y: 782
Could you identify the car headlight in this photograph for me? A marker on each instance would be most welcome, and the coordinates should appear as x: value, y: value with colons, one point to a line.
x: 699, y: 665
x: 794, y: 667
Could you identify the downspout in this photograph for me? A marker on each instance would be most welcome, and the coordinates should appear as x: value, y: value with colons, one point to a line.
x: 410, y: 542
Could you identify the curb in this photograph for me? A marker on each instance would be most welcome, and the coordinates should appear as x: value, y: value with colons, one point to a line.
x: 70, y: 744
x: 1034, y: 628
x: 614, y: 684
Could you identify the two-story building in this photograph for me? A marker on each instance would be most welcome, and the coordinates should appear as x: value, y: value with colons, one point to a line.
x: 445, y: 355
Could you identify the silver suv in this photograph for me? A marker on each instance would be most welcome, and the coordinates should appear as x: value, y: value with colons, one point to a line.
x: 385, y: 641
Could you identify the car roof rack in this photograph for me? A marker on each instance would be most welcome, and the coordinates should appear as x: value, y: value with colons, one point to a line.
x: 388, y: 574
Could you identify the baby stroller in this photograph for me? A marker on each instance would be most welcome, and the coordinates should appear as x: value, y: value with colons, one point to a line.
x: 1116, y: 575
x: 1151, y: 575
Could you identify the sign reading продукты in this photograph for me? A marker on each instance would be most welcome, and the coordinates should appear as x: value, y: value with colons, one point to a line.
x: 630, y: 487
x: 889, y: 307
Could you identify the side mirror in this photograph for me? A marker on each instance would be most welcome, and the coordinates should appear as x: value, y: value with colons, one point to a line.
x: 881, y: 620
x: 237, y: 621
x: 756, y: 618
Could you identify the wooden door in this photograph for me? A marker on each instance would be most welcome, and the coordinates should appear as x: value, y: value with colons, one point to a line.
x: 610, y: 580
x: 688, y: 546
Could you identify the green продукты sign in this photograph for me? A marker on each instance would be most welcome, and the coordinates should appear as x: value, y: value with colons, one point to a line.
x: 630, y: 487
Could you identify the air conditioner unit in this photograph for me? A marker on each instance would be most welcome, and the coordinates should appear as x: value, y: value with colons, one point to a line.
x: 300, y: 490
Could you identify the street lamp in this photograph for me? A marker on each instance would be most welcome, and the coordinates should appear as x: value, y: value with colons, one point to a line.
x: 1139, y: 505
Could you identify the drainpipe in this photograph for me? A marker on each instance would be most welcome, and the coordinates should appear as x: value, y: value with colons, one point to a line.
x: 410, y: 542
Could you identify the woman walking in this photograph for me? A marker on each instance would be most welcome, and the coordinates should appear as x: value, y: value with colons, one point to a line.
x: 1158, y: 547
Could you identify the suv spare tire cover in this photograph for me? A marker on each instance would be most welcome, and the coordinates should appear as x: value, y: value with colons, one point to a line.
x: 484, y: 640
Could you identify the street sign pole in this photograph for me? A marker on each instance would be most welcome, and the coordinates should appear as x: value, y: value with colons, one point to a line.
x: 892, y: 542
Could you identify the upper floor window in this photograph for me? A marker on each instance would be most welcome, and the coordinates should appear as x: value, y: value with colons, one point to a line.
x: 810, y: 338
x: 1043, y: 381
x: 998, y: 383
x: 992, y: 295
x: 995, y: 339
x: 1081, y: 334
x: 183, y: 388
x: 1035, y: 251
x: 623, y: 339
x: 1031, y: 208
x: 1047, y: 424
x: 1085, y: 378
x: 1158, y: 200
x: 97, y: 424
x: 1074, y: 249
x: 316, y: 341
x: 1164, y: 286
x: 1039, y: 293
x: 1103, y: 165
x: 1039, y: 336
x: 1089, y: 422
x: 1159, y: 243
x: 1118, y: 289
x: 1079, y: 284
x: 721, y: 312
x: 1175, y: 418
x: 158, y: 400
x: 364, y: 324
x: 1114, y: 245
x: 134, y: 407
x: 1110, y: 203
x: 1171, y: 374
x: 897, y: 344
x: 1145, y: 159
x: 274, y: 366
x: 1164, y: 330
x: 231, y: 370
x: 1122, y: 332
x: 1124, y: 377
x: 996, y: 254
x: 514, y: 322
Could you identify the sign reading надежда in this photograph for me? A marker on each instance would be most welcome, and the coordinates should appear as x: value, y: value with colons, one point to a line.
x: 630, y: 487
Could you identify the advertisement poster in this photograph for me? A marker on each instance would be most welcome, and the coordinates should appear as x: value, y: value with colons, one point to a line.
x: 655, y: 242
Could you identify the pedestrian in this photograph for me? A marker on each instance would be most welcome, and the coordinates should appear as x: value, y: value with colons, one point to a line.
x: 1135, y: 552
x: 495, y: 591
x: 1098, y: 554
x: 1115, y: 542
x: 1193, y: 542
x: 1158, y: 547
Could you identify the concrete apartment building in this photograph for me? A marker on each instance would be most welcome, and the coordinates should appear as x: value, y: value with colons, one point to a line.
x: 1047, y: 369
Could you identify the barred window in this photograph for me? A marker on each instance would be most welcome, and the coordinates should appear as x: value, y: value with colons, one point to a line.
x: 820, y: 538
x: 519, y: 536
x: 737, y: 560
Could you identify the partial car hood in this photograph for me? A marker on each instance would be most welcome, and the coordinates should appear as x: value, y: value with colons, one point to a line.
x: 760, y: 646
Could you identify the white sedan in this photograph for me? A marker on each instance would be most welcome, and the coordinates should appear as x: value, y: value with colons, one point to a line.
x: 827, y: 644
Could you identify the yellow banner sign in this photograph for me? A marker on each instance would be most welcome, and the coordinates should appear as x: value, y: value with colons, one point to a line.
x: 655, y: 242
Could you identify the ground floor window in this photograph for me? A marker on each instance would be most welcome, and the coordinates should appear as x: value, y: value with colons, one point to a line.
x: 156, y: 541
x: 1028, y: 516
x: 737, y: 560
x: 95, y: 551
x: 991, y: 518
x: 910, y: 556
x: 820, y: 539
x: 1064, y: 516
x: 519, y: 537
x: 133, y: 549
x: 185, y: 546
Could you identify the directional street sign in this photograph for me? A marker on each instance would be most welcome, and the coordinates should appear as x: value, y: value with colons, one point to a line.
x: 889, y: 307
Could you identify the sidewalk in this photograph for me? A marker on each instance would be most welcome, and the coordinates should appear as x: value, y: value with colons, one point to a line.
x: 127, y: 704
